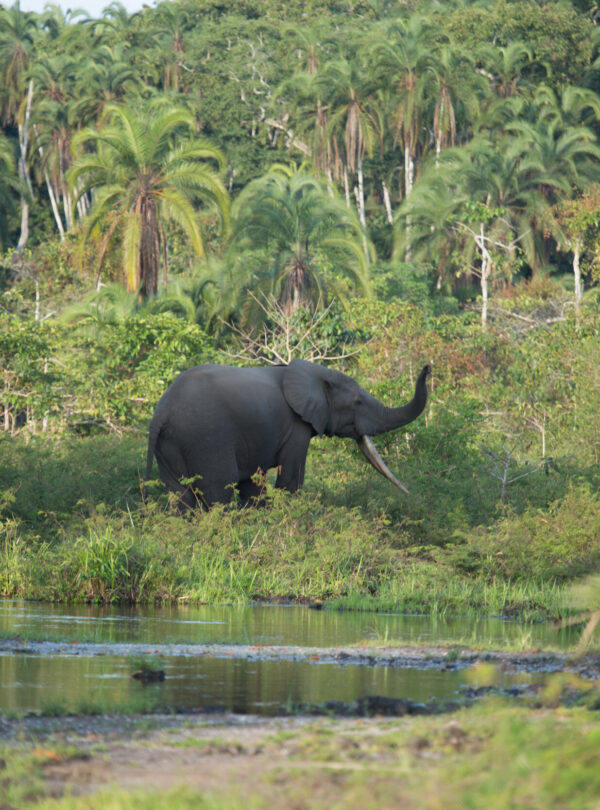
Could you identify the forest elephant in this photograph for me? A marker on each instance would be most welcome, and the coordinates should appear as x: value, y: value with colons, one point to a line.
x: 217, y: 426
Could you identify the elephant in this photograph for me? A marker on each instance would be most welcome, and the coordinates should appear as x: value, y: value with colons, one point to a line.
x: 216, y: 426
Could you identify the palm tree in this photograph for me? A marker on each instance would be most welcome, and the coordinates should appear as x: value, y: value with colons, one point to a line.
x: 401, y: 56
x: 54, y: 78
x: 9, y: 186
x: 554, y: 159
x: 455, y: 91
x: 482, y: 203
x: 148, y: 168
x: 104, y: 77
x: 17, y: 34
x: 352, y: 121
x: 18, y: 31
x: 56, y: 22
x: 289, y: 220
x: 171, y: 23
x: 504, y: 67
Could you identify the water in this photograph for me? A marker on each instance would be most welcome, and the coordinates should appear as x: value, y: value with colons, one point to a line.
x: 39, y: 681
x: 261, y: 625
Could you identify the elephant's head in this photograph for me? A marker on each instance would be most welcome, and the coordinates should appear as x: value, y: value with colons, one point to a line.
x: 335, y: 405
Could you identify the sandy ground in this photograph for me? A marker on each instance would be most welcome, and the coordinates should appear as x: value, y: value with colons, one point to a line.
x: 248, y: 756
x: 276, y: 762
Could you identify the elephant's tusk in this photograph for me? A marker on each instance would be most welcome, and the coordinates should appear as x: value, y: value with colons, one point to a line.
x: 369, y: 451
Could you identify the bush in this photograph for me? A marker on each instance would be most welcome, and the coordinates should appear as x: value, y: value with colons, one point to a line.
x: 558, y: 543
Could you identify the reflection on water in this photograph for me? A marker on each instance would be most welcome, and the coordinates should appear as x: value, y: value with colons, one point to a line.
x: 260, y: 625
x: 35, y: 681
x: 29, y: 682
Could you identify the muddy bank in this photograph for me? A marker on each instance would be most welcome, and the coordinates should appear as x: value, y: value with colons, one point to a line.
x: 421, y: 657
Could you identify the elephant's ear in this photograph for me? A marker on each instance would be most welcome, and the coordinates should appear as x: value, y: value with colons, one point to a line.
x: 305, y: 390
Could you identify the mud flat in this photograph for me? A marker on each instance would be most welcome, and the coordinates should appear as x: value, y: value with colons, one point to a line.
x: 420, y: 657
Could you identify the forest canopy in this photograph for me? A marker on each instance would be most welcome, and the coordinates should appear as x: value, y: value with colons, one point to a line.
x: 457, y: 142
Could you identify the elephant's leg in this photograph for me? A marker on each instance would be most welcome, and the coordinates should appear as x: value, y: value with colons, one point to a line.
x: 172, y: 468
x: 291, y: 459
x: 251, y: 493
x: 177, y: 469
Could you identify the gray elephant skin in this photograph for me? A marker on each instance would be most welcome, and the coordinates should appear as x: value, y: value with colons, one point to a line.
x: 217, y: 426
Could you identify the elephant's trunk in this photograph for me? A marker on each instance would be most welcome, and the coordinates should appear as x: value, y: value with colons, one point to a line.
x: 382, y: 419
x: 369, y: 451
x: 392, y: 418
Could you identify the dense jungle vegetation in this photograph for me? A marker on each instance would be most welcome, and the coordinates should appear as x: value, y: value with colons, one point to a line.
x: 373, y: 185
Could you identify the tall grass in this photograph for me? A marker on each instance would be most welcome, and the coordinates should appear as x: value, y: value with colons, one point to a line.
x: 346, y: 539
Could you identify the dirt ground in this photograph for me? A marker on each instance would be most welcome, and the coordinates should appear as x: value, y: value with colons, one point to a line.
x: 282, y: 764
x: 296, y: 762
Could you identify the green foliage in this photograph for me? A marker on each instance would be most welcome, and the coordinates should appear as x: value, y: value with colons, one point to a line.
x: 102, y: 564
x: 524, y: 391
x: 106, y: 375
x: 558, y: 38
x: 288, y: 222
x: 366, y: 94
x: 560, y: 542
x: 141, y: 178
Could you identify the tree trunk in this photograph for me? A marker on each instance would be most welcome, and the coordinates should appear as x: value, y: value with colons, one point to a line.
x: 23, y: 173
x: 346, y: 186
x: 361, y: 196
x: 577, y: 274
x: 359, y: 193
x: 24, y: 235
x: 52, y: 194
x: 67, y: 202
x: 149, y: 251
x: 486, y: 269
x: 387, y: 202
x: 409, y: 177
x: 409, y: 171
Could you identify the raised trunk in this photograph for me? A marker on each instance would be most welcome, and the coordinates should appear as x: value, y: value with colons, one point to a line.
x: 382, y: 419
x: 23, y: 172
x: 52, y: 194
x: 387, y: 202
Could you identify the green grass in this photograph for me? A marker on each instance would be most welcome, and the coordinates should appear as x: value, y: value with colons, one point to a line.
x: 491, y: 757
x: 435, y: 589
x: 73, y: 529
x: 295, y: 550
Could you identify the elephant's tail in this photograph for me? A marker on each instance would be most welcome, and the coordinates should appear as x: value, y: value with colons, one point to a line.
x: 153, y: 434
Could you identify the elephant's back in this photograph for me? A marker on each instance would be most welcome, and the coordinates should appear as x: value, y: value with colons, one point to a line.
x: 213, y: 380
x: 206, y: 391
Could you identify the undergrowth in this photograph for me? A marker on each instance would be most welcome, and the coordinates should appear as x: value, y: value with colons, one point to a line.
x: 61, y: 542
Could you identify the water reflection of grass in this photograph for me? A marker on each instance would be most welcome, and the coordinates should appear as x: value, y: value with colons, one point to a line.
x: 93, y: 705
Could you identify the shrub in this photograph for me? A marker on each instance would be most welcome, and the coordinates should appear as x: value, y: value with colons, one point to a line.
x: 560, y: 542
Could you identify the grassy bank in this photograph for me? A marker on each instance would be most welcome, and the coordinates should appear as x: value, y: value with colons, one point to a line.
x: 503, y: 514
x: 74, y: 528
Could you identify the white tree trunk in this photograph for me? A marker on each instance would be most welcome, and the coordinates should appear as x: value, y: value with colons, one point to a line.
x: 387, y: 202
x: 54, y: 204
x: 52, y: 194
x: 23, y: 173
x: 486, y: 270
x: 360, y: 196
x: 409, y: 171
x: 361, y: 213
x: 577, y: 274
x: 346, y: 186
